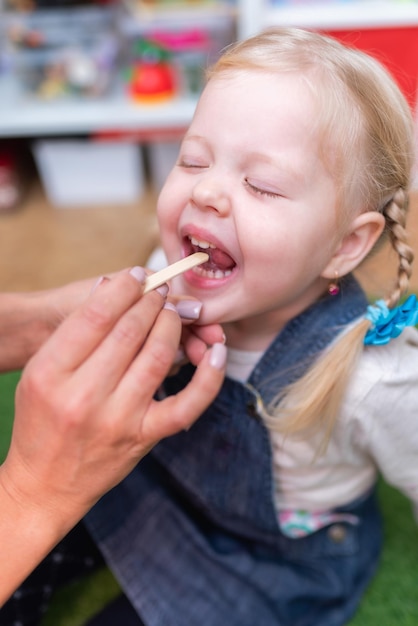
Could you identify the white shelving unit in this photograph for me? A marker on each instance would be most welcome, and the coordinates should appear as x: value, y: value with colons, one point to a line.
x: 21, y: 115
x: 254, y: 15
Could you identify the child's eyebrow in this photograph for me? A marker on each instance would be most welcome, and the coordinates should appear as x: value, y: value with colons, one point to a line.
x: 278, y: 162
x: 197, y: 138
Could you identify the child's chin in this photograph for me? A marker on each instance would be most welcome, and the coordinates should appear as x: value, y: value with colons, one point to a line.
x: 208, y: 316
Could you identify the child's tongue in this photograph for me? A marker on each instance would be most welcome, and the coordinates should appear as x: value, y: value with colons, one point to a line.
x: 218, y: 260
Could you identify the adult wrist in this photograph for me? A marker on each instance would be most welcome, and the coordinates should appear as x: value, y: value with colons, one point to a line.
x: 46, y: 512
x: 28, y: 532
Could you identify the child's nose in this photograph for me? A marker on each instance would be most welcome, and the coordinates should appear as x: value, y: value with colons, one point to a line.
x: 210, y: 194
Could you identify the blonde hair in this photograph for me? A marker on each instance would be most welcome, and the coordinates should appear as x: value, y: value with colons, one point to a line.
x: 366, y: 126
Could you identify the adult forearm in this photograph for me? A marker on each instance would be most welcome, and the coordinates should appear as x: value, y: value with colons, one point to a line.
x: 28, y: 319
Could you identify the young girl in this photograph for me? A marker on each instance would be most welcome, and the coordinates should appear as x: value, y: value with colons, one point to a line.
x: 296, y: 164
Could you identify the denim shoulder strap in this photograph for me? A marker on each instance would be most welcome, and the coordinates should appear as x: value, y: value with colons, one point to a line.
x: 305, y: 337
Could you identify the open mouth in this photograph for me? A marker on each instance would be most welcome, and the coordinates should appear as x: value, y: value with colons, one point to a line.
x: 220, y: 264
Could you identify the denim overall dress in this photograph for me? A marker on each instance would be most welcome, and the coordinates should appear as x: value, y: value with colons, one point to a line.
x: 192, y: 533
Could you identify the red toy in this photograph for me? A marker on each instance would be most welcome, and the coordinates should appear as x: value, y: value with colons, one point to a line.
x: 152, y: 77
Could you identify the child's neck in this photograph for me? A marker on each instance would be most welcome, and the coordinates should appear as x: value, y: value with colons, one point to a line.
x: 245, y: 335
x: 257, y: 332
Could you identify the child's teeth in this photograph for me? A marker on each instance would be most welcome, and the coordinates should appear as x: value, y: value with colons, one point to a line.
x: 213, y: 274
x: 201, y: 244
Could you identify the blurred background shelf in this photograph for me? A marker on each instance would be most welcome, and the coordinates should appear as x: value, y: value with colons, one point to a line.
x: 23, y: 116
x: 34, y: 111
x: 26, y: 114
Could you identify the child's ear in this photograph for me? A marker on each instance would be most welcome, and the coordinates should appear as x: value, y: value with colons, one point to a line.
x: 363, y: 233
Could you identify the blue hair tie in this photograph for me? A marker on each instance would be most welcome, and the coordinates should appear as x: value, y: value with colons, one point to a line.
x: 389, y: 323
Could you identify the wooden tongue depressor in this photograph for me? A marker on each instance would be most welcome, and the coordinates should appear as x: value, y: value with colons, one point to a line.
x: 159, y: 278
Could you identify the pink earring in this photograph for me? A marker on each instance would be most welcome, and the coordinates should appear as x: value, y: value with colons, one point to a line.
x: 333, y: 287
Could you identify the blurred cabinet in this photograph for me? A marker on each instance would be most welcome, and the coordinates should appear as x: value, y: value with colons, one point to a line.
x: 386, y: 29
x: 254, y: 15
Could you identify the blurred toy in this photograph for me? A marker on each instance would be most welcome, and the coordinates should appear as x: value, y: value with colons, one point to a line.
x: 151, y: 78
x: 63, y: 53
x: 25, y: 37
x: 82, y: 72
x: 190, y: 49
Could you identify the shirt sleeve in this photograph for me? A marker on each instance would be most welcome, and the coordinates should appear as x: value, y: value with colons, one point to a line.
x: 386, y: 411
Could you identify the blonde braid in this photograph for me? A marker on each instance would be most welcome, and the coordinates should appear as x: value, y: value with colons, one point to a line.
x: 395, y: 214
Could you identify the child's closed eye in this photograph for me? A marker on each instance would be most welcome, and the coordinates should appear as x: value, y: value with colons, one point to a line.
x: 189, y: 164
x: 262, y: 190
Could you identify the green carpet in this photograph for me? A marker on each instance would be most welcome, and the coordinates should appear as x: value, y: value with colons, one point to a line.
x: 8, y: 384
x: 392, y: 598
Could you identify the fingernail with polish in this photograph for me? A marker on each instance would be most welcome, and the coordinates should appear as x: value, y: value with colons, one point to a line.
x: 98, y: 282
x: 189, y: 309
x: 163, y: 290
x: 138, y: 273
x: 217, y: 356
x: 170, y: 307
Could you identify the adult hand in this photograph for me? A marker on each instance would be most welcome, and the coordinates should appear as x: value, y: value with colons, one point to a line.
x: 87, y: 396
x: 85, y: 413
x: 27, y: 320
